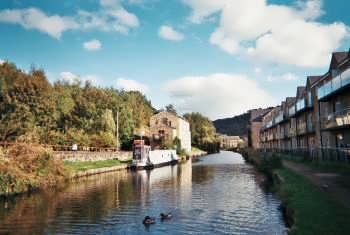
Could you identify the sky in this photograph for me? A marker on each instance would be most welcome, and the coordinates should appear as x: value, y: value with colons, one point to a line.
x: 219, y: 57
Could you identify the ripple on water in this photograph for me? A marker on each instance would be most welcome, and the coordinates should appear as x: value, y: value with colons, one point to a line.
x: 217, y: 195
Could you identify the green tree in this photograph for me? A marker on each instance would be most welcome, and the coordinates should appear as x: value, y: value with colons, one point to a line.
x: 203, y: 133
x: 171, y: 109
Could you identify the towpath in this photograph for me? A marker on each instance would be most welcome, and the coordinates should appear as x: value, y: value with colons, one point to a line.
x: 326, y: 181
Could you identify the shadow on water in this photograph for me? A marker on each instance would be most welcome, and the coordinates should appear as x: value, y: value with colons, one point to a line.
x: 218, y: 194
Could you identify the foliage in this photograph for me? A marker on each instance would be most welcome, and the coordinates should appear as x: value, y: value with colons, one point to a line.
x: 237, y: 125
x: 33, y: 110
x: 24, y: 167
x: 171, y: 109
x: 203, y: 133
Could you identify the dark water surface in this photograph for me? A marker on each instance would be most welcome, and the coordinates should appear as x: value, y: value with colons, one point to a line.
x: 217, y: 195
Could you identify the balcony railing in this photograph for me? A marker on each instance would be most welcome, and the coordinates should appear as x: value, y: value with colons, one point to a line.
x: 292, y: 132
x: 337, y: 119
x: 301, y: 104
x: 310, y: 100
x: 291, y: 111
x: 301, y: 128
x: 279, y: 118
x: 310, y: 127
x: 338, y: 82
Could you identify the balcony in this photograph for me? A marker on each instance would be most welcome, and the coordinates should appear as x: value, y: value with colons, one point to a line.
x: 292, y: 132
x: 279, y: 118
x: 336, y: 120
x: 291, y: 111
x: 310, y: 100
x: 310, y: 127
x: 301, y: 128
x: 337, y: 84
x: 300, y: 105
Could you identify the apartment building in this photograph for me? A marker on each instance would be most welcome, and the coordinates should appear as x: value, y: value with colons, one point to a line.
x: 318, y: 117
x: 229, y: 142
x: 334, y: 102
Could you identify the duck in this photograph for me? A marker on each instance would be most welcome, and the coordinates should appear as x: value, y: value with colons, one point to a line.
x: 165, y: 216
x: 149, y: 220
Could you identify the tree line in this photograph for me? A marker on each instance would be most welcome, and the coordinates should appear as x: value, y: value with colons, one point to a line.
x: 33, y: 110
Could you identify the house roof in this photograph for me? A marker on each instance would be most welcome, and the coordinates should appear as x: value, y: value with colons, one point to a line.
x: 313, y: 79
x: 261, y: 116
x: 300, y: 91
x: 340, y: 56
x: 290, y: 100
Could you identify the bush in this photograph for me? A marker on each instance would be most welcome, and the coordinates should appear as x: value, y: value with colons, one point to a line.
x: 25, y: 167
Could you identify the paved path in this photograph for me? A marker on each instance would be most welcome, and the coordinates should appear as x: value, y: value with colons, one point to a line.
x: 326, y: 181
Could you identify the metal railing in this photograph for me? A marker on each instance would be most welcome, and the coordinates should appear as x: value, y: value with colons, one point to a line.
x: 336, y: 119
x: 315, y: 154
x: 64, y: 148
x: 339, y: 81
x: 301, y: 128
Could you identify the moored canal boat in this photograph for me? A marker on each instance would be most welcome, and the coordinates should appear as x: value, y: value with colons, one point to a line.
x: 145, y: 158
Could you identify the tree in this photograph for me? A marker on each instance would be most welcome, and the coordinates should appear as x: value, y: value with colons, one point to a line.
x: 203, y: 133
x: 171, y: 109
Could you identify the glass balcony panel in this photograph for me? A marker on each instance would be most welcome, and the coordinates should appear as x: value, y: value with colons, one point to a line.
x: 336, y: 83
x: 328, y: 88
x: 321, y: 92
x: 310, y: 101
x: 345, y: 77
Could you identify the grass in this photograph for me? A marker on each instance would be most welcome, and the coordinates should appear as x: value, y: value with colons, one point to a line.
x: 84, y: 166
x: 340, y: 168
x: 314, y: 211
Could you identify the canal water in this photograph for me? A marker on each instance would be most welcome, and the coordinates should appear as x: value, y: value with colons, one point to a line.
x: 218, y: 194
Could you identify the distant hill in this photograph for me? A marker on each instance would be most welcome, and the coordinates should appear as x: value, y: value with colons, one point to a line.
x: 236, y: 125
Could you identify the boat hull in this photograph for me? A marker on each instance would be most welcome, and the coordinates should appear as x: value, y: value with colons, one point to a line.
x: 157, y: 158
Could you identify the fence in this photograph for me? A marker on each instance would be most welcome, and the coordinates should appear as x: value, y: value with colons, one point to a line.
x: 316, y: 154
x: 65, y: 148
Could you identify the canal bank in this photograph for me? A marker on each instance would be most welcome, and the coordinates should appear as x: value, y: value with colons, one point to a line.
x: 308, y: 208
x: 118, y: 201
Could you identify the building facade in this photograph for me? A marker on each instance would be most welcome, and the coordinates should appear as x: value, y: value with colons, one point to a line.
x: 166, y: 126
x: 317, y: 118
x: 230, y: 142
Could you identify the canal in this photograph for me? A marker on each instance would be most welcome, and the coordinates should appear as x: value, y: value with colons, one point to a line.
x: 218, y: 194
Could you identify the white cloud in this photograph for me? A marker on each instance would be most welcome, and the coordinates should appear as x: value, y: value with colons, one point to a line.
x: 92, y: 45
x: 33, y: 18
x: 217, y: 95
x: 111, y: 16
x: 126, y: 18
x: 131, y: 85
x: 282, y: 77
x: 73, y: 78
x: 270, y: 32
x: 2, y: 61
x: 257, y: 70
x: 69, y: 77
x: 168, y: 33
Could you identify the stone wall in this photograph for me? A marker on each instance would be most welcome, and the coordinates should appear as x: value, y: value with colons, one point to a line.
x: 82, y: 156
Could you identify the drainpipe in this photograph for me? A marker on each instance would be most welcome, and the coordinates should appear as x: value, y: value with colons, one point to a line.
x: 319, y: 124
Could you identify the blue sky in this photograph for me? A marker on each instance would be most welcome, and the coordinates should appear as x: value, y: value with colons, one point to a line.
x: 216, y: 57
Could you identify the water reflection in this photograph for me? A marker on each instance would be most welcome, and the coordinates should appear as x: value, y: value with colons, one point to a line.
x: 218, y: 194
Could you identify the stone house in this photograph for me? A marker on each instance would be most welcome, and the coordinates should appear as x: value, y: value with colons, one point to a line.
x: 165, y: 126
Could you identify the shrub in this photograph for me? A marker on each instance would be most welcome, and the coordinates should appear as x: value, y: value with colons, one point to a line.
x: 25, y: 167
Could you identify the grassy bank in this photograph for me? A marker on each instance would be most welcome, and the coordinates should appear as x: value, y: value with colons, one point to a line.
x: 84, y: 166
x: 307, y: 209
x: 339, y: 168
x: 26, y: 167
x: 314, y: 211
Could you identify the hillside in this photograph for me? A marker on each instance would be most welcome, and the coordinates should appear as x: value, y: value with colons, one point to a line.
x: 236, y: 125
